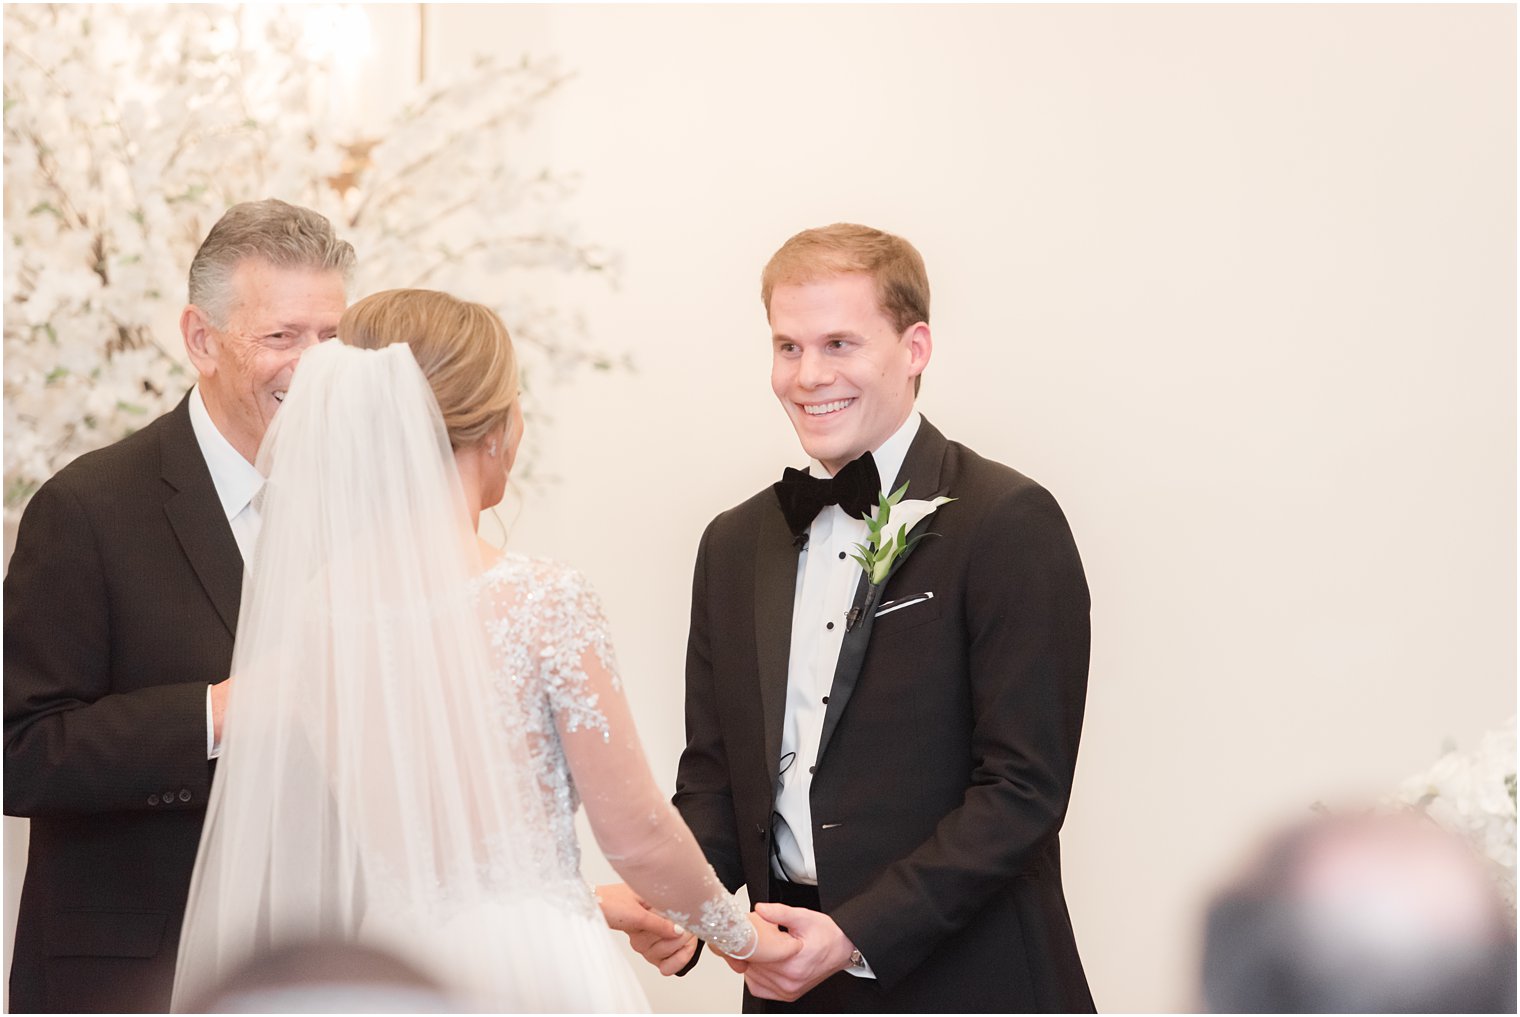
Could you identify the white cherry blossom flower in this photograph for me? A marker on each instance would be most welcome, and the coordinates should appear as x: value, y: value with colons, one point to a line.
x: 1473, y: 794
x: 130, y: 128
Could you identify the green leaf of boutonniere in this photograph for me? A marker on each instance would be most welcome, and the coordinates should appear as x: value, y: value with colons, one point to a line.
x: 877, y: 558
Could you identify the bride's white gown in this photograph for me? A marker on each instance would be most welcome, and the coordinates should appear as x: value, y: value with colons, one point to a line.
x: 409, y: 737
x: 564, y: 700
x: 562, y: 697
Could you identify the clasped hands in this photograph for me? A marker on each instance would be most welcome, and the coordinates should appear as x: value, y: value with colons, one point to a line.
x: 797, y: 948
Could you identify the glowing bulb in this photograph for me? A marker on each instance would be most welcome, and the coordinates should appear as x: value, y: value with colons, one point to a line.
x: 338, y: 34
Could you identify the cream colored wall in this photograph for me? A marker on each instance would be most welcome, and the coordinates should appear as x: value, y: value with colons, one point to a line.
x: 1235, y: 283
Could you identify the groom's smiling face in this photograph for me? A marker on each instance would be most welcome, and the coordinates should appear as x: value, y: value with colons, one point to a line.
x: 841, y: 369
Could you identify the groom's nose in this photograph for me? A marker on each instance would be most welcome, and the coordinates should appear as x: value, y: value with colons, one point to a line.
x: 814, y: 370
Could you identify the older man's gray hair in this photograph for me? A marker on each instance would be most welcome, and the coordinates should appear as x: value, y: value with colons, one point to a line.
x: 271, y: 230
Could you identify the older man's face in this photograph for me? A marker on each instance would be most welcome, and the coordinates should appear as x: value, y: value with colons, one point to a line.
x: 245, y: 367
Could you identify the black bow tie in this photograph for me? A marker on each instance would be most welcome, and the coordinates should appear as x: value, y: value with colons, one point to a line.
x: 856, y: 489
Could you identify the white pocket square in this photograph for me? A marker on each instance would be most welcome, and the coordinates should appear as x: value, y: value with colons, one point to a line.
x: 902, y: 602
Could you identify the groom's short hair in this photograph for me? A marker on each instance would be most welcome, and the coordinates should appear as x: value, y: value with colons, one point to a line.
x: 272, y: 230
x: 902, y: 284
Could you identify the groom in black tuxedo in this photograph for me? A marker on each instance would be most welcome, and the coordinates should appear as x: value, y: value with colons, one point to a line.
x: 120, y: 607
x: 887, y: 769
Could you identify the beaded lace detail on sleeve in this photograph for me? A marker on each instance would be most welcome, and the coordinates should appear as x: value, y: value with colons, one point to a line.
x: 551, y: 634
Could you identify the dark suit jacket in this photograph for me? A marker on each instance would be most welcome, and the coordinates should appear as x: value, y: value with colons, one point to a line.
x: 120, y: 606
x: 950, y: 738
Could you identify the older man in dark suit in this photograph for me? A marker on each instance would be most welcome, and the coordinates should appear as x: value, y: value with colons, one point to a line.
x: 884, y: 755
x: 120, y: 607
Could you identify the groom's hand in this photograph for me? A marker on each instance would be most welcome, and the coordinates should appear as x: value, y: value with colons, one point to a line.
x: 656, y: 938
x: 825, y: 951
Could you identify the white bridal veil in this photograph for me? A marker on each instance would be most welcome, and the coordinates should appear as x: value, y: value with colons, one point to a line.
x: 365, y: 790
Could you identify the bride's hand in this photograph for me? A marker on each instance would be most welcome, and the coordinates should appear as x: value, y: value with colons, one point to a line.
x: 655, y: 938
x: 773, y: 945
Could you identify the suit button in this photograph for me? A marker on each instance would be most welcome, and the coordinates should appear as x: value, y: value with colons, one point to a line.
x: 168, y: 797
x: 825, y: 700
x: 841, y: 556
x: 812, y: 769
x: 153, y: 799
x: 184, y: 794
x: 830, y: 626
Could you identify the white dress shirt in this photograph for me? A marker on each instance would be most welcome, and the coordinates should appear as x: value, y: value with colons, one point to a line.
x: 236, y: 482
x: 826, y: 581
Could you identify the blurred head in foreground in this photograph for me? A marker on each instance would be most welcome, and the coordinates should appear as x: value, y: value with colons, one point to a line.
x: 1370, y: 914
x: 329, y: 977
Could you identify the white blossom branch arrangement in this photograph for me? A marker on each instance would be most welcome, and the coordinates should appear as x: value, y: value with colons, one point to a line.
x: 129, y: 129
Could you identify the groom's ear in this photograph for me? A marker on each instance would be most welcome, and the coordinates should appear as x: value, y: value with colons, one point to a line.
x: 920, y: 348
x: 202, y: 341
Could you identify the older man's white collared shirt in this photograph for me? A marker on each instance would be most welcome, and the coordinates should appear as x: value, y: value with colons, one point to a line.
x: 236, y: 482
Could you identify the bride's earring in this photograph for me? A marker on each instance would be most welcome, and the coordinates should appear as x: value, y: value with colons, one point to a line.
x: 491, y: 449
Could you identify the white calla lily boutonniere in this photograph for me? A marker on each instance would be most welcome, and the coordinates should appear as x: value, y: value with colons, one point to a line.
x: 885, y: 549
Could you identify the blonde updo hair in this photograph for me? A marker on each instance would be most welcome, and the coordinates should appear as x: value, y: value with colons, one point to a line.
x: 462, y: 348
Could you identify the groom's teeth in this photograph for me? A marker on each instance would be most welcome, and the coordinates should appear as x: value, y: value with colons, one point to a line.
x: 821, y: 408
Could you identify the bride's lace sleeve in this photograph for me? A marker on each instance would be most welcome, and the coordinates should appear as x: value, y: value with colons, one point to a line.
x: 635, y: 825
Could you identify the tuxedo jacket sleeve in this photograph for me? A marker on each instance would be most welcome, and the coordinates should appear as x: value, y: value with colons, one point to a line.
x: 704, y: 793
x: 1026, y: 656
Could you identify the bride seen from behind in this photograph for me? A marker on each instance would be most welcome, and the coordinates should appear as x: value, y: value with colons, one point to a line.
x: 419, y: 716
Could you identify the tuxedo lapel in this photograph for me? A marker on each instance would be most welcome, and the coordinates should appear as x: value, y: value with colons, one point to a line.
x: 921, y: 471
x: 922, y: 465
x: 195, y: 514
x: 775, y: 587
x: 852, y: 654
